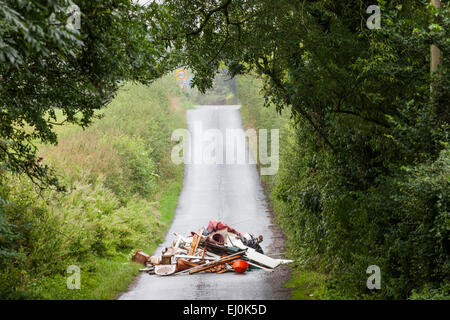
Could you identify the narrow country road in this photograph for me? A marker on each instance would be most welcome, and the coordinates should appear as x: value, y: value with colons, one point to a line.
x: 231, y: 193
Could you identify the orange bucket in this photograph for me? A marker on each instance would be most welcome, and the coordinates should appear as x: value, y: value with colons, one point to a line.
x: 240, y: 266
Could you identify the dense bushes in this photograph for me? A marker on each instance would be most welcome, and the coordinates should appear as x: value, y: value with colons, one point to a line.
x: 87, y: 222
x: 401, y: 223
x: 364, y: 172
x: 344, y: 212
x: 116, y: 172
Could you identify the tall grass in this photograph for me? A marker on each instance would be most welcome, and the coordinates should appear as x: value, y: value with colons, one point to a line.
x: 122, y: 191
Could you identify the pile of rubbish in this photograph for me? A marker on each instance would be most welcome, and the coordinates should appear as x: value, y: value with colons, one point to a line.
x: 217, y: 248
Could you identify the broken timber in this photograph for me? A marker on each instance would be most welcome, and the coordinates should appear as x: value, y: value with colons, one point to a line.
x: 214, y: 263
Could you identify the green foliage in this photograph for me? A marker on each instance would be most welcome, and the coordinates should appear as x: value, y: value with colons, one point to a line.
x: 138, y: 174
x: 74, y: 228
x: 46, y: 66
x: 364, y: 171
x: 306, y: 285
x: 223, y: 91
x: 121, y: 194
x: 429, y: 293
x: 400, y: 222
x: 253, y: 111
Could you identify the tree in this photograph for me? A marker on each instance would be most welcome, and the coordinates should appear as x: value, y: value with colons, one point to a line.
x: 54, y: 72
x: 435, y: 52
x: 367, y: 126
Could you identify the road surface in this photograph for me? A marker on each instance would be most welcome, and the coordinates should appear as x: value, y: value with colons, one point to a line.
x: 231, y: 193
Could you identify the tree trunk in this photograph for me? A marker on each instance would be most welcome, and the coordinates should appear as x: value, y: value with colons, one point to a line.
x: 435, y: 52
x: 435, y: 59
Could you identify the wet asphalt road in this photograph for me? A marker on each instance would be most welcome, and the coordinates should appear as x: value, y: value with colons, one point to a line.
x: 231, y: 193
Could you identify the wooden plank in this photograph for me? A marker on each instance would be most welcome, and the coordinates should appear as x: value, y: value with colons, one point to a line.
x: 182, y: 238
x: 223, y: 271
x: 189, y: 263
x: 185, y: 265
x: 194, y: 245
x: 203, y: 254
x: 226, y: 259
x: 194, y: 257
x: 214, y: 264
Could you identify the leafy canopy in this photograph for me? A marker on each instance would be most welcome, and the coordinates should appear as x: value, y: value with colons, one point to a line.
x: 52, y: 73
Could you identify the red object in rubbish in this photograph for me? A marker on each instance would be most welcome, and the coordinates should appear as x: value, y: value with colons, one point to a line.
x: 240, y: 266
x: 215, y: 225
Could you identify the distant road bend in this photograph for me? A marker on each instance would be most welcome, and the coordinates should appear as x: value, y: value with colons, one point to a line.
x: 229, y: 193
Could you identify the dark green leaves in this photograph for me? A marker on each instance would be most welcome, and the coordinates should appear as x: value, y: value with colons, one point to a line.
x: 52, y: 73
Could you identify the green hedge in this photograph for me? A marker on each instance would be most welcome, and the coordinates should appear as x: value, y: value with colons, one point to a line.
x: 344, y: 212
